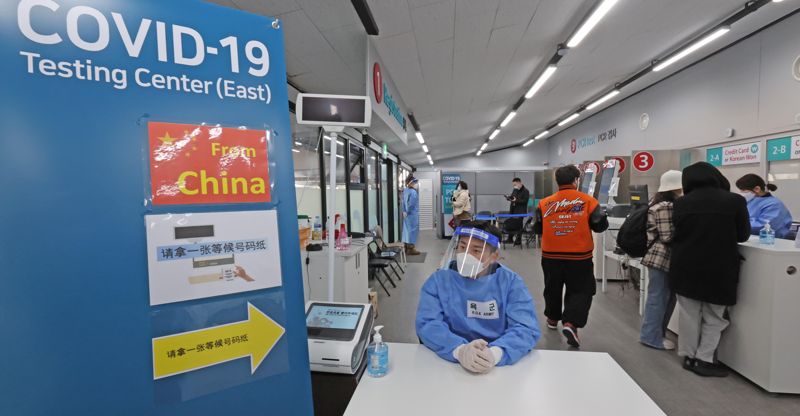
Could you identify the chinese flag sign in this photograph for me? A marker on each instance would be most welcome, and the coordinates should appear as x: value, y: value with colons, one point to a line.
x: 193, y: 164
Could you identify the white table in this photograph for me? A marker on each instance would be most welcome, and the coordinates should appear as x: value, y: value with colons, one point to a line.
x: 542, y: 383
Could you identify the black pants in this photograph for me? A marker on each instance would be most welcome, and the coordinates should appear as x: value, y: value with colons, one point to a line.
x: 513, y: 226
x: 578, y: 277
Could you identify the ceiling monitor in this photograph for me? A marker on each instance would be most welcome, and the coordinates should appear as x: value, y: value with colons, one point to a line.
x: 333, y: 110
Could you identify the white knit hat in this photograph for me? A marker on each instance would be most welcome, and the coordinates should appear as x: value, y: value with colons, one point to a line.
x: 671, y: 181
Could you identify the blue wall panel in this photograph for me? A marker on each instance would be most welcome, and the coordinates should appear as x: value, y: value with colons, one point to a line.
x: 75, y: 321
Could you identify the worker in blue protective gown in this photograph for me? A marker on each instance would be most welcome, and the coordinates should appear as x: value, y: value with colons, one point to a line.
x: 473, y: 310
x: 763, y: 207
x: 411, y: 215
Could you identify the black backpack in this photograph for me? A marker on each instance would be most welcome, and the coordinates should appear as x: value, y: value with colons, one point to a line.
x: 632, y: 236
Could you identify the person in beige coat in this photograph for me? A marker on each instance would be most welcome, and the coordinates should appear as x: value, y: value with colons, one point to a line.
x: 462, y: 203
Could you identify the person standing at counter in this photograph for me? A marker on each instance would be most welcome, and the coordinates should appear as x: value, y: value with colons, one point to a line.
x: 660, y: 300
x: 462, y: 203
x: 473, y: 310
x: 566, y: 220
x: 411, y: 215
x: 710, y: 221
x: 763, y: 206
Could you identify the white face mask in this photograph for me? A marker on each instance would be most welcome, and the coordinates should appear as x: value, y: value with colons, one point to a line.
x: 748, y: 195
x: 468, y: 265
x: 517, y: 187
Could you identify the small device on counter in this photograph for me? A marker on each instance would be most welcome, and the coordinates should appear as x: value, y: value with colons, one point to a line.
x: 338, y: 334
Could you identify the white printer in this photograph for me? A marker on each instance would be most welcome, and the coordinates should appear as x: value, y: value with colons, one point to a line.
x: 338, y: 335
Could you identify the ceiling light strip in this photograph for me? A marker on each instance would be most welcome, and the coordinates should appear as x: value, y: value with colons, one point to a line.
x: 591, y: 22
x: 548, y: 72
x: 691, y: 48
x: 568, y: 119
x: 508, y: 118
x: 603, y: 99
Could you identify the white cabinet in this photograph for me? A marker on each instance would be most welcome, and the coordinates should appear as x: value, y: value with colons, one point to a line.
x: 762, y: 342
x: 350, y: 274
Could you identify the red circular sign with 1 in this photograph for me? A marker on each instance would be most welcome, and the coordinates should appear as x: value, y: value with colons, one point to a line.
x: 573, y: 146
x: 377, y: 82
x: 643, y: 161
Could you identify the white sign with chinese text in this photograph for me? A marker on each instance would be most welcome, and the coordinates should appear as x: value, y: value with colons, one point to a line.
x: 200, y: 255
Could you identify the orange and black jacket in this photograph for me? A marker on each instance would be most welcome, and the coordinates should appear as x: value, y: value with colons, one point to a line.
x: 566, y: 220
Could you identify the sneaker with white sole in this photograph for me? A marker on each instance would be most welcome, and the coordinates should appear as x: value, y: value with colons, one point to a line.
x: 668, y: 345
x: 552, y: 323
x: 571, y: 333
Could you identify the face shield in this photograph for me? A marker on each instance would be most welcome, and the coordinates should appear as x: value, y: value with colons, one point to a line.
x: 470, y: 252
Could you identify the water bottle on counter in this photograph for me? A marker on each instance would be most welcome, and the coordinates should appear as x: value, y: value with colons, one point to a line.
x: 377, y: 355
x: 767, y: 235
x: 316, y: 234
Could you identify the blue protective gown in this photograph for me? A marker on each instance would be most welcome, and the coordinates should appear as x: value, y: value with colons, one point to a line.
x: 768, y: 209
x: 411, y: 221
x: 446, y: 302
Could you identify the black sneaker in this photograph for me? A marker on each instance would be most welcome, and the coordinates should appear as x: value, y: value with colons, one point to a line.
x: 702, y: 368
x: 689, y: 363
x: 571, y: 333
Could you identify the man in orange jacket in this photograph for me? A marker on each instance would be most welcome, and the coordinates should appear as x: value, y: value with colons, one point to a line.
x: 566, y: 220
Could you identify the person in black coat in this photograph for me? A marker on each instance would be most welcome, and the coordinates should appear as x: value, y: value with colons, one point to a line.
x: 519, y: 205
x: 710, y: 221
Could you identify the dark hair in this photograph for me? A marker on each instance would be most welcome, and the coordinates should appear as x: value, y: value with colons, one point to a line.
x: 485, y: 226
x: 566, y: 175
x: 463, y: 185
x: 668, y: 196
x: 751, y: 180
x: 516, y: 180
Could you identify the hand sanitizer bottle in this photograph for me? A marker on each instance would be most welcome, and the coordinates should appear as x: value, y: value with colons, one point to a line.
x: 377, y: 355
x: 767, y: 235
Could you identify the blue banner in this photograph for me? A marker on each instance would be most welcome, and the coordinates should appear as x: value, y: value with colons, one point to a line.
x: 449, y: 184
x: 81, y: 81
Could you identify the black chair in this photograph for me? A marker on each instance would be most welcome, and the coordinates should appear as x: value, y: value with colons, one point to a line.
x: 376, y: 252
x: 512, y: 228
x: 373, y: 274
x: 529, y: 234
x: 374, y: 265
x: 394, y: 253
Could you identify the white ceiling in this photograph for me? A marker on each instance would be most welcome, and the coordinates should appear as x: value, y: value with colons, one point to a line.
x: 460, y: 65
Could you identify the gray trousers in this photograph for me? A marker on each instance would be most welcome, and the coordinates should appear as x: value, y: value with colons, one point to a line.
x: 700, y: 325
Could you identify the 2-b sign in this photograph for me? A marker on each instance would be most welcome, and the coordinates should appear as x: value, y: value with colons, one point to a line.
x: 643, y: 161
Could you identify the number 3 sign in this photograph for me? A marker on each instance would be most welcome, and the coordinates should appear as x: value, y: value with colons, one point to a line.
x: 643, y: 161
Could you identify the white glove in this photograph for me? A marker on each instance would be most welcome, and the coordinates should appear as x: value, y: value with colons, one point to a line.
x: 476, y: 356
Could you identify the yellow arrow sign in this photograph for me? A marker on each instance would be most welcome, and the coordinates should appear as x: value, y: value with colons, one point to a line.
x: 193, y: 350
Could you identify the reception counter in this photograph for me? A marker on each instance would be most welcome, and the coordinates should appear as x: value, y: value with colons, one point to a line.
x: 762, y: 342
